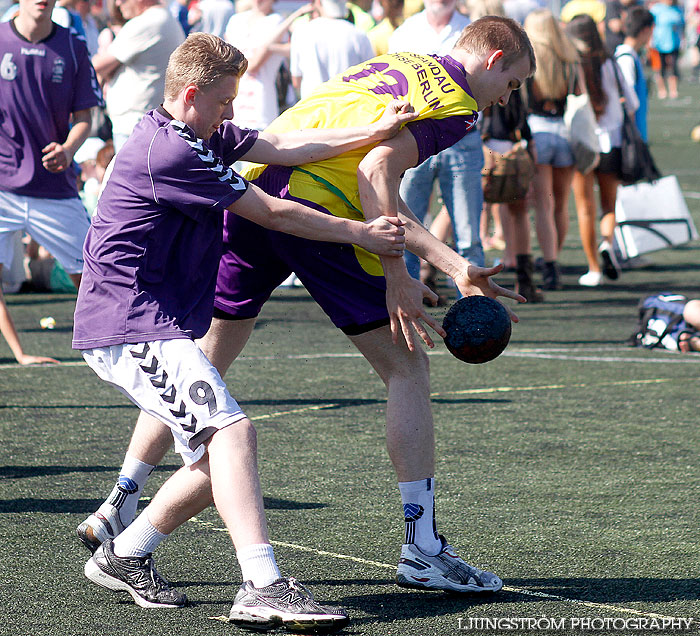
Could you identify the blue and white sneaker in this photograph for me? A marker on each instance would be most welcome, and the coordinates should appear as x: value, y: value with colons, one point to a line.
x: 444, y: 571
x: 100, y: 526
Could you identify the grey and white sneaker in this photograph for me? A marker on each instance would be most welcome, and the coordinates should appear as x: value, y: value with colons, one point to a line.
x: 100, y: 527
x: 284, y: 603
x: 136, y: 575
x: 444, y: 571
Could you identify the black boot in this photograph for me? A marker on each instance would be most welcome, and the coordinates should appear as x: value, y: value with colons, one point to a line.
x: 524, y: 284
x: 428, y: 276
x: 551, y: 276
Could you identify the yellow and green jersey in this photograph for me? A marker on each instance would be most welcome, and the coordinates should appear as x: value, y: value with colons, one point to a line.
x: 435, y: 86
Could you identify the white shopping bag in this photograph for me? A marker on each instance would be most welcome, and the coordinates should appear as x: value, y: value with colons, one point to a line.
x: 652, y: 216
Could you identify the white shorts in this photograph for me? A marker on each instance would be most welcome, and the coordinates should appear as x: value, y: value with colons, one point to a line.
x: 173, y: 381
x: 59, y: 225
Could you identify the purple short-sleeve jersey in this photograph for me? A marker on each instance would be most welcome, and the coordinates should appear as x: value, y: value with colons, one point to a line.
x: 153, y: 250
x: 41, y: 84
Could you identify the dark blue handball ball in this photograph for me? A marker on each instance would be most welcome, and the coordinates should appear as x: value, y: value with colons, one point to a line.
x: 478, y: 329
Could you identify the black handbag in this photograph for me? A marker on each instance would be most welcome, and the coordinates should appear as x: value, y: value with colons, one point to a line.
x: 636, y: 162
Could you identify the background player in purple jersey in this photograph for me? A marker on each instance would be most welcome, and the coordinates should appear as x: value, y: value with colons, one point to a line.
x: 380, y: 313
x: 47, y: 91
x: 151, y: 260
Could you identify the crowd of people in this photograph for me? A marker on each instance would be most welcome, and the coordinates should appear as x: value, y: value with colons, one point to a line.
x: 290, y: 55
x: 349, y: 122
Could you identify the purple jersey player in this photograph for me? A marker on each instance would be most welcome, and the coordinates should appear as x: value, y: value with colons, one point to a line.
x: 151, y: 259
x: 47, y: 88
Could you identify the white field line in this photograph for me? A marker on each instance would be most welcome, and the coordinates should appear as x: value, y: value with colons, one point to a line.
x: 387, y: 566
x: 557, y: 353
x: 474, y: 391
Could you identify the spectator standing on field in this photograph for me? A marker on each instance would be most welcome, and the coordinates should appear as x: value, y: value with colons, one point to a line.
x: 601, y: 76
x: 326, y: 46
x: 668, y: 35
x: 639, y: 27
x: 263, y: 37
x: 135, y: 62
x: 47, y: 91
x: 556, y: 76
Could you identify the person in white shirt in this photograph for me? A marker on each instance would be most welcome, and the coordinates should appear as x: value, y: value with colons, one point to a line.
x: 326, y: 46
x: 135, y: 63
x: 210, y: 16
x: 458, y: 168
x: 262, y: 36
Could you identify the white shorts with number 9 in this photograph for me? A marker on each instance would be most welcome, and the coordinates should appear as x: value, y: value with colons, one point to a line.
x: 173, y: 381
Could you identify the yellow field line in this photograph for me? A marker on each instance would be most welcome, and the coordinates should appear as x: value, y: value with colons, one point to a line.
x: 549, y: 387
x: 304, y: 409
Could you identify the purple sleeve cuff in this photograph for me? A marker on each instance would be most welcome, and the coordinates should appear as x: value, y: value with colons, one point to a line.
x: 434, y: 135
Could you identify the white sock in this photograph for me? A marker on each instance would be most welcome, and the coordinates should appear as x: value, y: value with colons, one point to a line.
x: 419, y: 514
x: 139, y: 539
x: 258, y: 564
x: 127, y: 491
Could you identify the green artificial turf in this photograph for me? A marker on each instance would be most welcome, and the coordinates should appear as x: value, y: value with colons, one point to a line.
x: 569, y: 465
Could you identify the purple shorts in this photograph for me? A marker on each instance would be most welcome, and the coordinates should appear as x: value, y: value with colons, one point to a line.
x: 346, y: 281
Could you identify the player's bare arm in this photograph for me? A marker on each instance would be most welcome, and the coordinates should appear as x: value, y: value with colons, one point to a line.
x: 470, y: 279
x: 306, y: 146
x: 8, y: 330
x: 378, y: 178
x: 384, y: 165
x: 383, y: 236
x: 58, y: 156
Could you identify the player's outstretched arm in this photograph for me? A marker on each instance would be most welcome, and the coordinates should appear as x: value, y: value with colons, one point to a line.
x: 7, y: 329
x: 315, y: 144
x: 383, y: 236
x: 379, y: 174
x: 378, y: 178
x: 470, y: 279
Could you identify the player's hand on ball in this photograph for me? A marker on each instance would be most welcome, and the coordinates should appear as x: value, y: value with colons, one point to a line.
x: 385, y: 236
x: 407, y: 313
x: 477, y: 281
x: 396, y: 114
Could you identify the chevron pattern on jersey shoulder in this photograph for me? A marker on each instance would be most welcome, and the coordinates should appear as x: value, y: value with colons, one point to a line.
x: 208, y: 158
